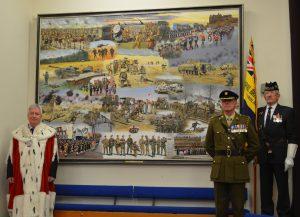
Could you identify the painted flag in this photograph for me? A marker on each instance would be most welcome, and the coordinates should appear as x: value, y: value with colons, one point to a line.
x: 249, y: 101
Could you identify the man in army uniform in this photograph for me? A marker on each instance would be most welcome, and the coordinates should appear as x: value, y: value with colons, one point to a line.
x: 232, y: 142
x: 109, y: 69
x: 142, y: 70
x: 158, y: 145
x: 111, y: 144
x: 123, y: 77
x: 194, y: 125
x: 115, y: 66
x: 118, y: 145
x: 163, y: 146
x: 142, y: 142
x: 152, y: 143
x: 135, y: 148
x: 147, y: 144
x: 129, y: 145
x: 122, y: 143
x: 65, y: 149
x: 46, y: 76
x: 229, y: 79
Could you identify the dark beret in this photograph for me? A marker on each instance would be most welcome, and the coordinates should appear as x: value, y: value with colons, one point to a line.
x: 271, y: 86
x: 228, y: 94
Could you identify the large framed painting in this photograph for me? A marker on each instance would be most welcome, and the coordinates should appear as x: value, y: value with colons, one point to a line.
x: 137, y: 86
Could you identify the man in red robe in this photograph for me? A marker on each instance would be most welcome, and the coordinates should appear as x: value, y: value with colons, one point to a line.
x: 31, y: 168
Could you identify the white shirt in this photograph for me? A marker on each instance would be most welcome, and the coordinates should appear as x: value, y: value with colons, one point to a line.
x: 273, y: 107
x: 31, y: 128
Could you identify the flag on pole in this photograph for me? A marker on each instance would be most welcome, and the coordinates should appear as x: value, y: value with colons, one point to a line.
x: 249, y: 101
x: 249, y: 104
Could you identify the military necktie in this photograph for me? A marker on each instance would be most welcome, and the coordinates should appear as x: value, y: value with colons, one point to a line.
x: 268, y: 119
x: 266, y: 130
x: 229, y: 120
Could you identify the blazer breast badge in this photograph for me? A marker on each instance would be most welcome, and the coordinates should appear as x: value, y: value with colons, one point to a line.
x: 277, y: 118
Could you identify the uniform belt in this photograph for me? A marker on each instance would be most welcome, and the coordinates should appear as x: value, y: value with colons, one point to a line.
x: 228, y: 153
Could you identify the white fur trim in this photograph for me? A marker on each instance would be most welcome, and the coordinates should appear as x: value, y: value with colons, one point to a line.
x: 31, y: 164
x: 41, y: 132
x: 18, y: 206
x: 7, y: 200
x: 55, y: 149
x: 52, y: 200
x: 39, y: 204
x: 10, y: 212
x: 32, y: 152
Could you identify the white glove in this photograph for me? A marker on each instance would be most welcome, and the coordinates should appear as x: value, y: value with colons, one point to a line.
x: 291, y: 153
x: 288, y: 163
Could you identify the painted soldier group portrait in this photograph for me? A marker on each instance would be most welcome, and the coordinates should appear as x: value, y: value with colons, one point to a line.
x: 136, y: 85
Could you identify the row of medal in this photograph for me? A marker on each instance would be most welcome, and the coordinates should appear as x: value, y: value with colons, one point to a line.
x: 238, y: 128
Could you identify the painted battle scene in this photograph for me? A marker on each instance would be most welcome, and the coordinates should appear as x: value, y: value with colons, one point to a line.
x: 136, y: 85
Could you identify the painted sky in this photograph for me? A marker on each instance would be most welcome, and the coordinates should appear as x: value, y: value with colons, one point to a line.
x: 179, y: 16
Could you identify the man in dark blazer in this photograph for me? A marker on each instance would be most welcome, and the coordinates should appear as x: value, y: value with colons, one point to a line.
x: 276, y: 130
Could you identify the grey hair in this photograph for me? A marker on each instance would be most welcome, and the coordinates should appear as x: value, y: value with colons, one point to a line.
x: 276, y: 91
x: 33, y: 106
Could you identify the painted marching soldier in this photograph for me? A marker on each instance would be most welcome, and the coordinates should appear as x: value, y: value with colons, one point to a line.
x: 111, y: 144
x: 31, y: 168
x: 232, y: 142
x: 276, y: 130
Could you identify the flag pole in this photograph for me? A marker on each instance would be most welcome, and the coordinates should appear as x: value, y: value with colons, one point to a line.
x: 255, y: 159
x: 249, y: 107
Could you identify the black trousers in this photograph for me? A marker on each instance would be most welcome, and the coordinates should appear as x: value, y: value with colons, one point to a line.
x: 267, y: 172
x: 229, y: 192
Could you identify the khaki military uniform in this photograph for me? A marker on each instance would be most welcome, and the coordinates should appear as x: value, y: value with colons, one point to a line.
x: 232, y: 148
x: 105, y: 146
x: 142, y: 142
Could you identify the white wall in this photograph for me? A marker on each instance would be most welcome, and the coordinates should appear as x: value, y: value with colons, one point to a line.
x: 267, y: 21
x: 14, y: 47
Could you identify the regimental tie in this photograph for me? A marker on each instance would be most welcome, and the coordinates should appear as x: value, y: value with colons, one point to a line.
x: 268, y: 119
x: 267, y: 124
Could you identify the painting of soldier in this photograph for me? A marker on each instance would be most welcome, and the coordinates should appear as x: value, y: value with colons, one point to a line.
x: 136, y: 85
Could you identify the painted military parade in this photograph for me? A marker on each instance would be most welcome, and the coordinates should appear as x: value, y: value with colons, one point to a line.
x: 140, y: 89
x: 128, y: 146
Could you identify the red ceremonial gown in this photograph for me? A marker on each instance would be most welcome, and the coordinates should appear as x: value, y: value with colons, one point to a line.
x: 31, y: 155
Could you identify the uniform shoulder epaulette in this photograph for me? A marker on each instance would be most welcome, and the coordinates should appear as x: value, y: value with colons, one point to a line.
x: 215, y: 117
x: 244, y: 116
